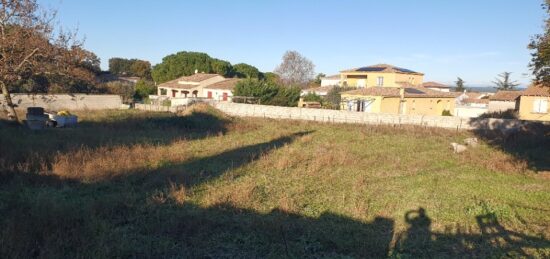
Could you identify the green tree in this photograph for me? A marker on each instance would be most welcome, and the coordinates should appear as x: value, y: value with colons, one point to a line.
x: 243, y: 70
x: 222, y: 67
x: 318, y: 78
x: 460, y: 85
x: 286, y: 96
x: 313, y: 97
x: 144, y: 88
x: 182, y: 64
x: 540, y: 45
x: 271, y: 77
x: 256, y: 88
x: 503, y: 82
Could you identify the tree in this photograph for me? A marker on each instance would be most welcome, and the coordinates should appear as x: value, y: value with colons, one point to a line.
x: 271, y: 77
x: 222, y: 67
x: 460, y: 85
x: 503, y: 82
x: 141, y: 69
x: 313, y: 97
x: 256, y: 88
x: 186, y: 63
x: 30, y: 46
x: 295, y: 69
x: 243, y: 70
x: 540, y: 58
x: 144, y: 88
x: 126, y: 90
x: 319, y: 78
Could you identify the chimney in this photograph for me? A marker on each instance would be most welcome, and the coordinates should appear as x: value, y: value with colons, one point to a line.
x: 402, y: 93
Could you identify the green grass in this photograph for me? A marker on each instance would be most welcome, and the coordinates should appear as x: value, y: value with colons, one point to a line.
x: 136, y: 184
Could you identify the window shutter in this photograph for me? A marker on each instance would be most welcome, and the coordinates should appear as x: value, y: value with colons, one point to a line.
x: 536, y: 105
x: 543, y: 106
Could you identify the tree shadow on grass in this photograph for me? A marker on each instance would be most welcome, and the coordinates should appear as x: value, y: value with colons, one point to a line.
x: 525, y: 141
x: 18, y: 143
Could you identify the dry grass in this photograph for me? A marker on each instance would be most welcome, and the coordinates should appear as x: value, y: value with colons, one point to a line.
x: 134, y: 184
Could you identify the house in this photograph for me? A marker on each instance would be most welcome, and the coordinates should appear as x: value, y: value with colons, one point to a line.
x: 381, y: 75
x: 188, y: 86
x: 333, y: 80
x: 471, y: 104
x: 504, y: 100
x: 222, y: 90
x: 437, y: 86
x: 394, y: 100
x: 321, y: 91
x: 534, y: 103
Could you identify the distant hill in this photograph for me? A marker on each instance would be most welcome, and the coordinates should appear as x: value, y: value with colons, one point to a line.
x: 487, y: 89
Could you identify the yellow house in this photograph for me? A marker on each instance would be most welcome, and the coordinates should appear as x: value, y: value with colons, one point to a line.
x: 534, y: 103
x: 381, y: 75
x: 404, y: 100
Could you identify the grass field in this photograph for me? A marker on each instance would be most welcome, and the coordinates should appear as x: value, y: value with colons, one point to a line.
x: 202, y: 184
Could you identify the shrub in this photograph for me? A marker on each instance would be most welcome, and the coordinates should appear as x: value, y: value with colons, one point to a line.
x: 143, y: 89
x: 312, y: 97
x: 124, y: 89
x: 446, y: 113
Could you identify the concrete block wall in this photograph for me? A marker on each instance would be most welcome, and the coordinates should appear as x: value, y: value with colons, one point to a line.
x: 56, y: 102
x: 338, y: 116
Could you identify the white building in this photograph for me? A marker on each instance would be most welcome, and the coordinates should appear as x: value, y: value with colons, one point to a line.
x: 222, y: 90
x: 188, y: 86
x: 437, y: 86
x: 330, y: 80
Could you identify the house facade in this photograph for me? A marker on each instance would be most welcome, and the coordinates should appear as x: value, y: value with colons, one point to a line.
x: 504, y: 100
x: 437, y: 86
x: 534, y: 103
x: 381, y: 75
x: 333, y: 80
x: 405, y: 100
x: 222, y: 90
x: 188, y: 86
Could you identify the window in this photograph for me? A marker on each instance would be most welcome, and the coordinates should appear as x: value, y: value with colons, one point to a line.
x: 163, y: 91
x: 380, y: 81
x: 540, y: 106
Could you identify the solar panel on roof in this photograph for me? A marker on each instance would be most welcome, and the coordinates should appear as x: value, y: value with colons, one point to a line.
x: 413, y: 91
x: 404, y: 70
x: 371, y: 69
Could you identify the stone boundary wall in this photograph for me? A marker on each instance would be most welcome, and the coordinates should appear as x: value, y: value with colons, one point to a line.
x: 56, y: 102
x: 338, y: 116
x: 159, y: 108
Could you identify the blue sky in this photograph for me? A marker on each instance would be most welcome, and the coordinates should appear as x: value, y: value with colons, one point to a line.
x: 444, y: 39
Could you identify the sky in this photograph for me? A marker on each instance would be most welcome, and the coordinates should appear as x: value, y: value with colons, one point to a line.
x: 443, y: 39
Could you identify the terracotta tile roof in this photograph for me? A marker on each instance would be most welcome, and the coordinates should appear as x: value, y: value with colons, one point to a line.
x: 410, y: 92
x: 227, y: 84
x: 505, y: 95
x: 199, y: 77
x: 535, y: 90
x: 383, y: 68
x: 196, y: 78
x: 425, y: 92
x: 434, y: 85
x: 375, y: 91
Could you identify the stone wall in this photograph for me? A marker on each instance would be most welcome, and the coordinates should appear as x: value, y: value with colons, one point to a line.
x: 56, y: 102
x: 338, y: 116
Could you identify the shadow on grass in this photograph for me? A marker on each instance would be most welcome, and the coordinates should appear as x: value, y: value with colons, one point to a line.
x: 494, y: 241
x: 529, y: 141
x: 136, y: 216
x: 122, y: 129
